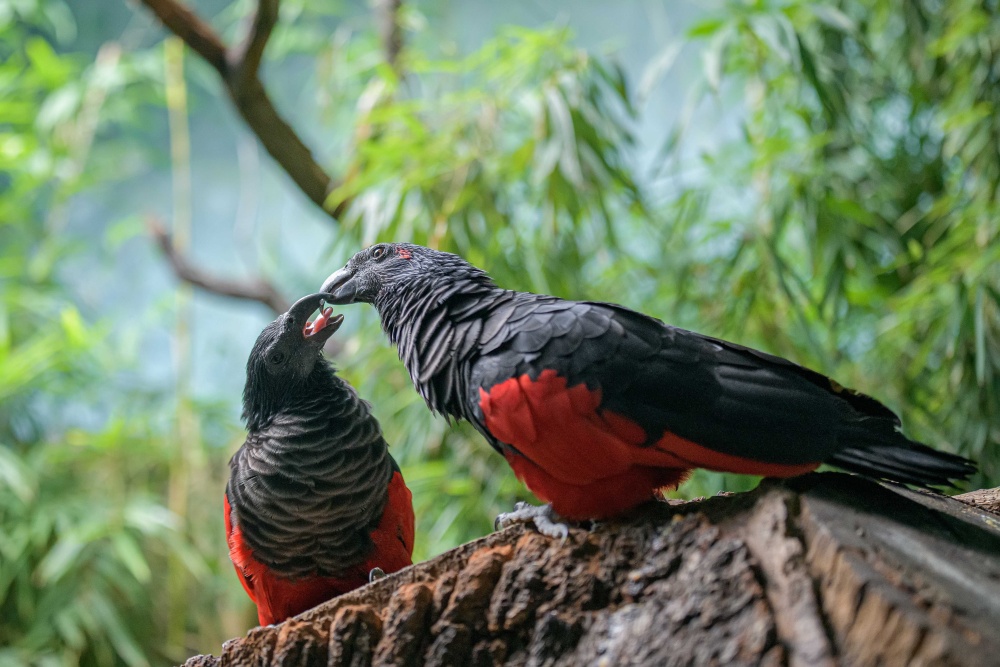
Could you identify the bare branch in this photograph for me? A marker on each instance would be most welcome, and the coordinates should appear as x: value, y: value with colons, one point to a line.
x: 256, y: 289
x: 239, y: 69
x: 390, y: 33
x: 285, y: 147
x: 196, y: 33
x: 244, y: 61
x: 239, y: 72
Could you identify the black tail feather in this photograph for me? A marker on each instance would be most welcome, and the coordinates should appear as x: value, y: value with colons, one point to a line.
x: 900, y: 459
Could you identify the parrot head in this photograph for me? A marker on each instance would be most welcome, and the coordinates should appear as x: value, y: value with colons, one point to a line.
x: 386, y: 269
x: 286, y: 354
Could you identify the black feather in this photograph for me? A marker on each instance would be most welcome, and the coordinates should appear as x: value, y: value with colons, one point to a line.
x: 310, y: 482
x: 568, y: 342
x: 433, y: 353
x: 721, y: 395
x: 469, y: 335
x: 530, y: 341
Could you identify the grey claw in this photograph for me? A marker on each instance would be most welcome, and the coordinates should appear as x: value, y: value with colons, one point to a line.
x: 554, y: 529
x: 542, y: 516
x: 376, y: 574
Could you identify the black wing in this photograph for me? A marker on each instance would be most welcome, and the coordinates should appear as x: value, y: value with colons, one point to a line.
x: 724, y: 396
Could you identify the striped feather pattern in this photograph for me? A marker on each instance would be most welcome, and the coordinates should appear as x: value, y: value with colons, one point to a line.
x: 310, y: 483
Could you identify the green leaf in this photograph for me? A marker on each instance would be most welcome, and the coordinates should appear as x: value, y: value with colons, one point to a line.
x: 980, y: 336
x: 657, y: 68
x: 15, y: 476
x: 131, y: 556
x: 59, y: 107
x: 966, y: 25
x: 62, y: 558
x: 562, y: 122
x: 705, y: 28
x: 150, y: 518
x: 124, y: 644
x: 75, y: 331
x: 834, y: 18
x: 967, y: 117
x: 52, y: 68
x: 712, y: 58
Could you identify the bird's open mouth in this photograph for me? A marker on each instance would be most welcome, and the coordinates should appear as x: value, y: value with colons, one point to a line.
x: 322, y: 321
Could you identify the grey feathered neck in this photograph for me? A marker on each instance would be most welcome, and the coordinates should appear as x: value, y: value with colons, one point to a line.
x: 435, y: 319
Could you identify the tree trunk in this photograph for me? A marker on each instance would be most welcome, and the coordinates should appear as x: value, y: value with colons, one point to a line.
x: 826, y: 569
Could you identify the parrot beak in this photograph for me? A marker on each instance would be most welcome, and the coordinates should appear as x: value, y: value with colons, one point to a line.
x: 323, y: 326
x: 340, y: 287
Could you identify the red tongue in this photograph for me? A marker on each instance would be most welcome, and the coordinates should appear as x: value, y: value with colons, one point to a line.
x: 319, y: 323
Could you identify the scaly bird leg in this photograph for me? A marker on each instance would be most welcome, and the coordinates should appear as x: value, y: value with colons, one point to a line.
x: 546, y: 521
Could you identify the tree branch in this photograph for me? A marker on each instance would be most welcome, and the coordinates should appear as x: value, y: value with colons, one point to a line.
x: 825, y: 569
x: 256, y: 289
x: 196, y: 33
x: 244, y: 62
x: 987, y: 499
x: 239, y: 70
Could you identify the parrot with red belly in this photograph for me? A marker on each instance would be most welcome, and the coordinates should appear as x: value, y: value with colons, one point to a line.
x: 598, y: 408
x: 314, y: 502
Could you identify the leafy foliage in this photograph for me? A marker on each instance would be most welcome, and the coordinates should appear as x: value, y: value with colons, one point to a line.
x: 855, y: 216
x: 843, y: 214
x: 85, y: 456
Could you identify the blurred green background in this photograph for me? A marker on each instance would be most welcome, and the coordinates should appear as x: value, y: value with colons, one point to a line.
x: 820, y: 180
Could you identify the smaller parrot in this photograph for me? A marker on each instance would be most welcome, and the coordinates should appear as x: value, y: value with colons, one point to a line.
x: 315, y: 505
x: 597, y: 407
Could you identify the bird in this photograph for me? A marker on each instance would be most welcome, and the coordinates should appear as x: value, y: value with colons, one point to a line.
x: 599, y: 408
x: 315, y: 505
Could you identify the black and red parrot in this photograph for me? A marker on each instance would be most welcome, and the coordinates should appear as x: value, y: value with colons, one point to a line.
x: 597, y: 407
x: 314, y: 501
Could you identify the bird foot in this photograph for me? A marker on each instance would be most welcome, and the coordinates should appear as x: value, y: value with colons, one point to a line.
x: 546, y: 521
x: 376, y: 574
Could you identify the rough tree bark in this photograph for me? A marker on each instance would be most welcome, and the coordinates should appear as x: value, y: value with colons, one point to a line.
x: 826, y: 569
x: 988, y: 499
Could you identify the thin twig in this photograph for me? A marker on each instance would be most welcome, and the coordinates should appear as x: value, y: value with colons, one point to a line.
x: 255, y: 289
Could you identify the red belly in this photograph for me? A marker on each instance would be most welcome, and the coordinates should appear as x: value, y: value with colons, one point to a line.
x: 278, y: 598
x: 593, y: 463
